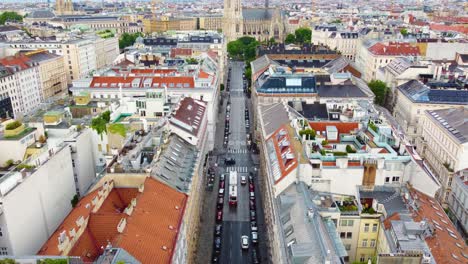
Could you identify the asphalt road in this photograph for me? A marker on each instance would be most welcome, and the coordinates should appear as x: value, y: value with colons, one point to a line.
x: 236, y: 220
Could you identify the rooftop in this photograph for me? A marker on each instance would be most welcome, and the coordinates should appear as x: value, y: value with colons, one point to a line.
x: 394, y: 49
x: 189, y: 115
x: 417, y: 92
x: 454, y: 120
x: 143, y: 221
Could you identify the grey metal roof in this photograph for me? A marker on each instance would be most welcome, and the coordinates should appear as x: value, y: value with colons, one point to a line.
x: 416, y: 91
x: 41, y: 14
x: 389, y: 197
x: 345, y: 90
x: 454, y: 120
x: 176, y: 164
x: 273, y: 117
x: 257, y: 13
x: 315, y: 111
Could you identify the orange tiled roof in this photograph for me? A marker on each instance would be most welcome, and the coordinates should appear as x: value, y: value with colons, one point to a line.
x: 180, y: 52
x: 394, y: 49
x: 110, y: 82
x: 457, y: 28
x: 286, y: 155
x: 150, y: 233
x: 203, y: 75
x: 446, y: 245
x: 20, y: 61
x: 342, y: 127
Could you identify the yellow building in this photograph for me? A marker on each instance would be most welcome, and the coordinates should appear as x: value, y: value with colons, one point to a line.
x: 52, y: 72
x: 368, y: 236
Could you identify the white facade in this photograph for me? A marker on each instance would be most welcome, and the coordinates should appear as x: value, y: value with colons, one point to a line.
x: 344, y: 42
x: 458, y: 200
x: 35, y: 203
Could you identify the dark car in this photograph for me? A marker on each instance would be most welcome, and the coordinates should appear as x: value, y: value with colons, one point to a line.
x: 255, y: 258
x: 221, y: 178
x: 251, y: 187
x: 251, y: 178
x: 252, y: 205
x: 219, y: 216
x: 230, y: 162
x: 253, y: 226
x: 217, y: 244
x: 220, y: 203
x: 252, y: 215
x: 221, y: 184
x: 218, y: 230
x: 215, y: 259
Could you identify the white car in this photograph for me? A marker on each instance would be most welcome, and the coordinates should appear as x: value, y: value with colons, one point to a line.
x: 245, y: 242
x: 254, y: 237
x: 243, y: 180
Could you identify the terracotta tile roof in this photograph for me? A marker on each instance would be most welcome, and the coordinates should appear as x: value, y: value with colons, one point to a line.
x: 189, y: 115
x: 446, y: 245
x: 20, y: 61
x: 394, y: 49
x: 342, y: 127
x: 175, y: 52
x: 113, y: 82
x: 285, y: 152
x: 150, y: 233
x: 457, y: 28
x: 387, y: 222
x: 203, y: 75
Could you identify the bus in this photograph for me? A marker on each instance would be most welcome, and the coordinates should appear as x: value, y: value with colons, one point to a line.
x: 233, y: 188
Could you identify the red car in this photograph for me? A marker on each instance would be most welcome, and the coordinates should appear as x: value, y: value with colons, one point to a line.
x: 251, y: 187
x: 219, y: 216
x: 221, y: 184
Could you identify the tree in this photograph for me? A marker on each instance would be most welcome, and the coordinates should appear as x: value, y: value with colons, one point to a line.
x: 303, y: 35
x: 310, y: 133
x: 127, y: 39
x: 244, y: 48
x: 271, y: 41
x: 404, y: 32
x: 99, y: 124
x: 75, y: 200
x: 290, y: 38
x: 106, y: 116
x: 10, y: 16
x: 234, y: 48
x: 380, y: 90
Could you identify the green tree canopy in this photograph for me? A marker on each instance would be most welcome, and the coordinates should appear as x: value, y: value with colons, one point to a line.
x: 310, y: 133
x: 127, y: 39
x: 244, y: 48
x: 10, y: 16
x: 106, y: 116
x: 290, y: 38
x: 404, y: 32
x: 380, y: 90
x: 303, y: 35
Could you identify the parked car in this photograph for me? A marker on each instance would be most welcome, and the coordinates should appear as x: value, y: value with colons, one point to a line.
x: 255, y: 258
x: 220, y: 203
x: 245, y: 242
x: 221, y: 177
x: 215, y: 258
x: 252, y: 205
x: 251, y: 187
x: 217, y: 244
x: 253, y: 226
x: 250, y: 177
x: 254, y: 237
x: 221, y: 193
x: 252, y: 215
x: 221, y: 184
x: 218, y: 229
x: 219, y: 216
x: 252, y: 196
x: 243, y: 180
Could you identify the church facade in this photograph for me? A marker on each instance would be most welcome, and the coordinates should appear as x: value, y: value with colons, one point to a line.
x: 260, y: 23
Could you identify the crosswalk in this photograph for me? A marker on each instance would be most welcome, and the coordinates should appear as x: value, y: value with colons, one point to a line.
x: 238, y: 169
x: 237, y: 151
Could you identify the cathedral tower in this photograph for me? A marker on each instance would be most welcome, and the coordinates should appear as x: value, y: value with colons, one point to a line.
x: 232, y: 19
x: 64, y: 7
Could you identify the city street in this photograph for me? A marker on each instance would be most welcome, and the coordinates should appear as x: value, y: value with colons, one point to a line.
x: 236, y: 220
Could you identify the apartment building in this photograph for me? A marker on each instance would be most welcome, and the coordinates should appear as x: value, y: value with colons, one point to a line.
x: 6, y: 106
x: 22, y: 85
x: 444, y: 145
x: 413, y: 98
x: 371, y: 57
x: 106, y: 50
x: 346, y: 42
x: 29, y: 186
x: 98, y: 23
x: 81, y: 56
x: 52, y: 72
x: 458, y: 200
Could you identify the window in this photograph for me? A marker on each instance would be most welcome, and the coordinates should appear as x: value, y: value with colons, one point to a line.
x: 362, y: 258
x: 395, y: 179
x: 372, y: 243
x: 347, y: 222
x: 387, y: 179
x: 343, y: 235
x: 366, y: 228
x: 3, y: 251
x: 364, y: 243
x: 1, y: 232
x: 349, y: 235
x: 374, y: 228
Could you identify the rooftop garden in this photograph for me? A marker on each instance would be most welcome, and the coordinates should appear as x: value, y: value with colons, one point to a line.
x: 118, y: 129
x: 13, y: 125
x: 348, y: 205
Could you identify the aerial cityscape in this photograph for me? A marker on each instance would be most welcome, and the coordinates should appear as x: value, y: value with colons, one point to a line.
x: 234, y: 132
